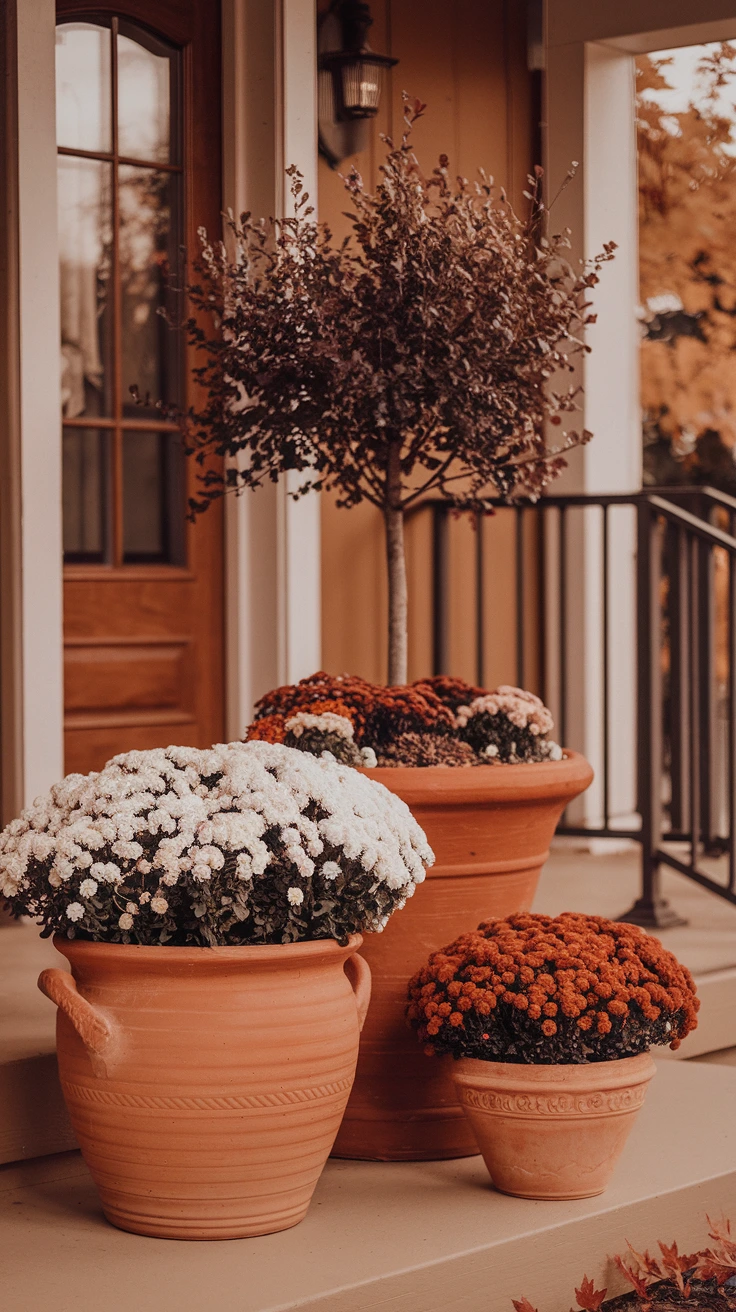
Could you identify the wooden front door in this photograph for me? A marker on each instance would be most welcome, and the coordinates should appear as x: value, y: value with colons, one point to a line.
x: 138, y: 128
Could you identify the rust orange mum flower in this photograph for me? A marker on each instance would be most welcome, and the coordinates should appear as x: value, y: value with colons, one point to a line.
x: 541, y: 989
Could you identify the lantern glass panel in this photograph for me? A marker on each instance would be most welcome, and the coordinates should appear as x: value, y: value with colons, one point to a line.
x: 361, y: 87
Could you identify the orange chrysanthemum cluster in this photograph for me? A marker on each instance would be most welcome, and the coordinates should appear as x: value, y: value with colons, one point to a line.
x: 355, y: 696
x: 541, y: 989
x: 378, y: 713
x: 453, y: 692
x: 437, y: 721
x: 269, y: 729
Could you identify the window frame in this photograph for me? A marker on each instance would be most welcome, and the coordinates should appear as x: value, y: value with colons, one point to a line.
x: 113, y: 427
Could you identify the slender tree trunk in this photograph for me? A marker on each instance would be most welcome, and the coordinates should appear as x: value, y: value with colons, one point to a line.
x: 398, y: 639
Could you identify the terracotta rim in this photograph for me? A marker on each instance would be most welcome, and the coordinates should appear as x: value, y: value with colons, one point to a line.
x: 475, y: 783
x: 512, y: 1074
x: 146, y: 953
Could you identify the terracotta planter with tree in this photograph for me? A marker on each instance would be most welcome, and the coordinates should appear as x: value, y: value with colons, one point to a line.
x: 425, y: 355
x: 490, y: 827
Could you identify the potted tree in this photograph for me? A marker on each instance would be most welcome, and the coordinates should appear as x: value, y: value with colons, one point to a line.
x: 550, y: 1021
x: 424, y: 355
x: 210, y: 904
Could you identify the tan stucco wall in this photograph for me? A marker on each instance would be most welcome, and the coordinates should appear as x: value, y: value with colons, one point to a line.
x: 467, y: 60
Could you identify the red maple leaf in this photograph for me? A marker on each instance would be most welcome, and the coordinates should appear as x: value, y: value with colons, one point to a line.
x: 721, y: 1233
x: 675, y: 1263
x: 589, y: 1298
x: 523, y: 1306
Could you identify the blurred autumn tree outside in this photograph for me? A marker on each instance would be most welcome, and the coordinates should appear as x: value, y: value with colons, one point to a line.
x: 687, y: 235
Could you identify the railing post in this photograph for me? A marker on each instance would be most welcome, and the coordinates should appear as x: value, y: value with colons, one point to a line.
x: 651, y: 909
x: 707, y: 709
x: 678, y: 702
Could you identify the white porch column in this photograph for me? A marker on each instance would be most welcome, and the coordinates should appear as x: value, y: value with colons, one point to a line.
x: 34, y: 760
x: 272, y: 542
x: 590, y: 119
x: 591, y: 123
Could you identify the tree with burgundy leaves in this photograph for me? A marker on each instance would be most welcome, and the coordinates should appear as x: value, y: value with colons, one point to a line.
x: 421, y: 356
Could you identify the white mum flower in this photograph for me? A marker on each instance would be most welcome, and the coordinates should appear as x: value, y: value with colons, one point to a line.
x: 210, y: 856
x: 521, y: 708
x: 327, y: 722
x: 160, y: 905
x: 212, y: 811
x: 244, y: 866
x: 75, y: 911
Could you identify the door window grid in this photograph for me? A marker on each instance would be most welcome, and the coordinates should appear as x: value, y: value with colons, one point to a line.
x: 124, y: 492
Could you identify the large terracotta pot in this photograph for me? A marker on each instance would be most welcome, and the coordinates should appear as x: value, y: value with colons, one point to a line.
x: 552, y: 1131
x: 206, y: 1085
x: 490, y: 828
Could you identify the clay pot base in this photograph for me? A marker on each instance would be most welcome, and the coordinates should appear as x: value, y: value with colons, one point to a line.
x: 206, y: 1085
x: 549, y: 1198
x: 544, y: 1131
x: 199, y: 1231
x: 490, y: 827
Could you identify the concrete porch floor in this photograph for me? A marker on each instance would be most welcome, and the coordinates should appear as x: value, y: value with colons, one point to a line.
x: 408, y: 1237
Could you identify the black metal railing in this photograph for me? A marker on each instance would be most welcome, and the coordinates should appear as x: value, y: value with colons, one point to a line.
x: 625, y: 604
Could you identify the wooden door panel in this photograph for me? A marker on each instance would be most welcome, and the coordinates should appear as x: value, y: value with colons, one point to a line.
x: 98, y: 743
x: 144, y: 643
x: 128, y: 676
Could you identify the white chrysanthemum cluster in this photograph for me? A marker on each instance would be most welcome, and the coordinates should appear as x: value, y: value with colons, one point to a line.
x: 235, y: 841
x: 308, y: 731
x: 325, y: 722
x: 523, y: 709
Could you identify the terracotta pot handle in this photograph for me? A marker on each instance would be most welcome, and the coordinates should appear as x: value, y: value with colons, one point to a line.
x: 359, y: 973
x: 92, y: 1028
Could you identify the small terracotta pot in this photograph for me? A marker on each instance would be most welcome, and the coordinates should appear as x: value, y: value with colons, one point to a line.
x: 206, y: 1085
x: 552, y: 1131
x: 490, y: 828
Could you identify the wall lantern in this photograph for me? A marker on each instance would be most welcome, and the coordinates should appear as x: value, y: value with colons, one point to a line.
x: 350, y: 78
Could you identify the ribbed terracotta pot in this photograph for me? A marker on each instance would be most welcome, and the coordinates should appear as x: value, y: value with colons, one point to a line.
x: 206, y: 1085
x: 490, y: 828
x: 552, y: 1131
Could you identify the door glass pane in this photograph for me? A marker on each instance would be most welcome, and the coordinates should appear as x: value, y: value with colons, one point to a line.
x: 153, y: 497
x: 121, y: 263
x: 83, y: 104
x: 85, y: 254
x: 144, y: 102
x: 84, y: 482
x: 151, y: 349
